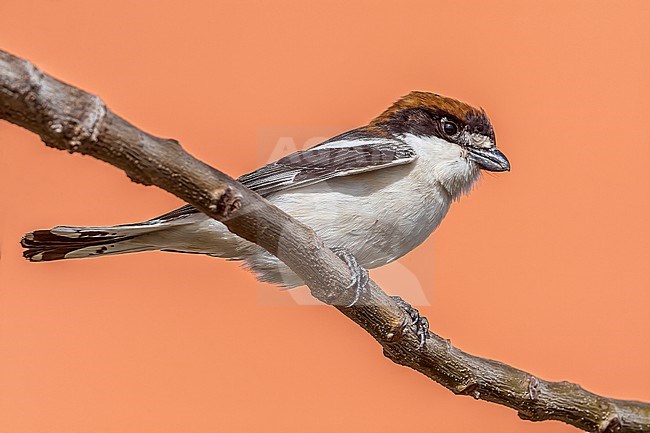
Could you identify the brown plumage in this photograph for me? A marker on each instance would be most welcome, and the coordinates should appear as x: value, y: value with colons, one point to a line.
x: 418, y: 99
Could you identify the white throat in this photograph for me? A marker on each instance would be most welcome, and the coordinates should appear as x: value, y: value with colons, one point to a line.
x: 445, y: 163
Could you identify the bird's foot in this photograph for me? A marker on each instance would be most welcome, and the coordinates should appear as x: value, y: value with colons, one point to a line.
x: 360, y: 276
x: 420, y: 324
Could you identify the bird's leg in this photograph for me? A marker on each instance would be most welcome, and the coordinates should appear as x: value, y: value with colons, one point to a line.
x: 419, y: 323
x: 360, y: 277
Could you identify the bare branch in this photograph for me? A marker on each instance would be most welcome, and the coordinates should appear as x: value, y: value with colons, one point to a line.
x: 70, y: 119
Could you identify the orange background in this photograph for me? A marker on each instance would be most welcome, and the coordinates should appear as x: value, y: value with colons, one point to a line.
x: 545, y: 268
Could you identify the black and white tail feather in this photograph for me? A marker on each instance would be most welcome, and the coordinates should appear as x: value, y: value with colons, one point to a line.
x: 65, y: 242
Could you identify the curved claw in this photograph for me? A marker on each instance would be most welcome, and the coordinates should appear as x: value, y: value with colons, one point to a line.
x: 360, y: 275
x: 420, y: 324
x: 422, y: 330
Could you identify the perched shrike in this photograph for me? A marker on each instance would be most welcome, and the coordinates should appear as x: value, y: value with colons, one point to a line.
x: 375, y: 193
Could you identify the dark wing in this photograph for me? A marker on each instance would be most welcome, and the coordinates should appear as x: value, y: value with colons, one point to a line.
x: 347, y: 154
x: 322, y: 163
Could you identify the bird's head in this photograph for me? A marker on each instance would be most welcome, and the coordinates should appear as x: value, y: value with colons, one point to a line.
x: 454, y: 141
x: 430, y: 116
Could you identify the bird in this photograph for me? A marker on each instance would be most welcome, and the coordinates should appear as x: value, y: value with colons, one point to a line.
x: 373, y: 194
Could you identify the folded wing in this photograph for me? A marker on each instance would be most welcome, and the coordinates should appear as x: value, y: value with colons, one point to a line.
x: 354, y: 152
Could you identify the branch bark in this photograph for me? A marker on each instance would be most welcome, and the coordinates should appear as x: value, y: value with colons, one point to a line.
x: 70, y: 119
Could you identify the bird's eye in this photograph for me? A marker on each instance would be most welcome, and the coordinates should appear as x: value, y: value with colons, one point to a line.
x: 450, y: 128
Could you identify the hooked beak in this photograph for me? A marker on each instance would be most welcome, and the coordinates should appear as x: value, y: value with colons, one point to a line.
x: 489, y: 159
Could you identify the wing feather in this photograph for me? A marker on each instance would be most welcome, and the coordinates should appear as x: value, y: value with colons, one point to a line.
x: 351, y: 153
x: 326, y: 162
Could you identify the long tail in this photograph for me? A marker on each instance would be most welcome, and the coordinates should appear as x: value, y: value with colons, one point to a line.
x: 65, y: 242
